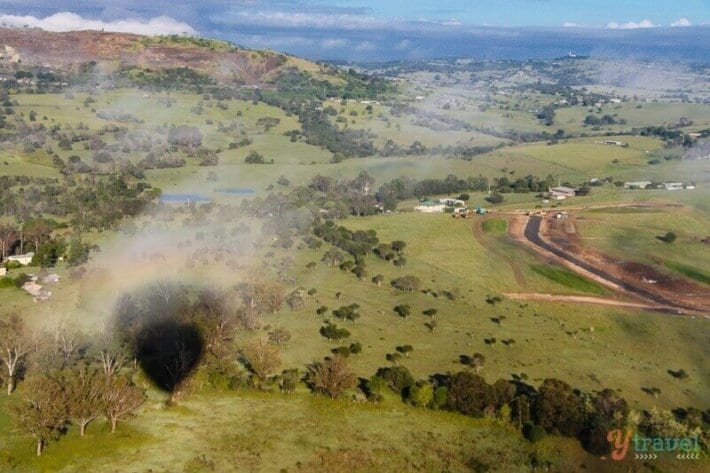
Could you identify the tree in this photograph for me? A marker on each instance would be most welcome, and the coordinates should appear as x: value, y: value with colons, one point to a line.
x: 669, y: 237
x: 559, y: 409
x: 261, y: 295
x: 348, y: 312
x: 469, y: 394
x: 477, y: 361
x: 120, y: 399
x: 42, y: 414
x: 14, y: 345
x: 378, y: 280
x: 84, y: 394
x: 111, y: 351
x: 399, y: 245
x: 421, y: 394
x: 332, y: 376
x: 218, y: 320
x: 405, y: 350
x: 8, y: 237
x: 261, y: 357
x: 254, y: 158
x: 185, y: 136
x: 398, y: 378
x: 279, y: 336
x: 333, y: 257
x: 78, y: 252
x: 430, y: 312
x: 403, y: 310
x: 333, y: 332
x: 495, y: 198
x: 36, y: 231
x: 407, y: 283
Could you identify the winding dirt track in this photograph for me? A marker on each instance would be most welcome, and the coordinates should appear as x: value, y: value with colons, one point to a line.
x: 526, y: 230
x: 584, y: 299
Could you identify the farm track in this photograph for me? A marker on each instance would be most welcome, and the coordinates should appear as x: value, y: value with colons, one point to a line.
x: 526, y: 230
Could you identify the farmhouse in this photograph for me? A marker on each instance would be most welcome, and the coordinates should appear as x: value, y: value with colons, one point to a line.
x: 452, y: 202
x: 637, y: 185
x: 24, y: 260
x: 561, y: 192
x: 673, y: 186
x: 429, y: 206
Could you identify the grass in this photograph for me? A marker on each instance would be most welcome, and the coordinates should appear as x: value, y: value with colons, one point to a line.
x: 569, y: 279
x: 253, y: 432
x: 258, y: 432
x: 690, y: 271
x: 495, y: 225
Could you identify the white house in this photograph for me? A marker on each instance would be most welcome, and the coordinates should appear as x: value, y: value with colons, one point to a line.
x: 452, y: 202
x: 673, y: 186
x: 637, y: 185
x: 430, y: 207
x: 24, y: 260
x: 561, y: 192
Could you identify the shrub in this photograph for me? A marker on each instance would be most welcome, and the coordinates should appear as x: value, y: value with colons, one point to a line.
x: 407, y: 283
x: 398, y: 378
x: 7, y: 282
x: 533, y: 432
x: 421, y: 394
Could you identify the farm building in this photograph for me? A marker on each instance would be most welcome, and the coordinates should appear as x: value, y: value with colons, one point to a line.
x: 429, y: 206
x: 673, y: 186
x: 24, y: 260
x: 452, y: 202
x: 561, y: 192
x: 637, y: 185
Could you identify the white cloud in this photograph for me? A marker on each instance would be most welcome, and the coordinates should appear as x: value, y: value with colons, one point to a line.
x: 631, y: 25
x: 67, y: 21
x: 300, y: 20
x: 569, y: 24
x: 403, y: 45
x: 366, y: 46
x: 332, y: 43
x: 681, y: 22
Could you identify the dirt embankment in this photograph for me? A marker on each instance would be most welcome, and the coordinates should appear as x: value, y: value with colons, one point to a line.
x: 558, y: 240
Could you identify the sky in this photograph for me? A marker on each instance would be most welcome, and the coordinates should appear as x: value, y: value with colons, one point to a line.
x: 385, y: 29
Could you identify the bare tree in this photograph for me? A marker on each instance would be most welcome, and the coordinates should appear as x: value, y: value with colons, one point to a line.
x: 8, y: 236
x: 332, y: 376
x: 121, y: 398
x: 42, y: 414
x: 477, y: 361
x: 14, y: 345
x: 218, y: 319
x: 111, y: 352
x: 262, y: 357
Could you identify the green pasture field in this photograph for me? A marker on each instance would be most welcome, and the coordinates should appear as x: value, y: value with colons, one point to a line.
x: 248, y: 431
x: 633, y: 235
x: 495, y: 225
x: 569, y: 279
x: 636, y: 114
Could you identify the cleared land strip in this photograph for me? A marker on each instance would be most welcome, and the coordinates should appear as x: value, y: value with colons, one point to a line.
x: 586, y: 299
